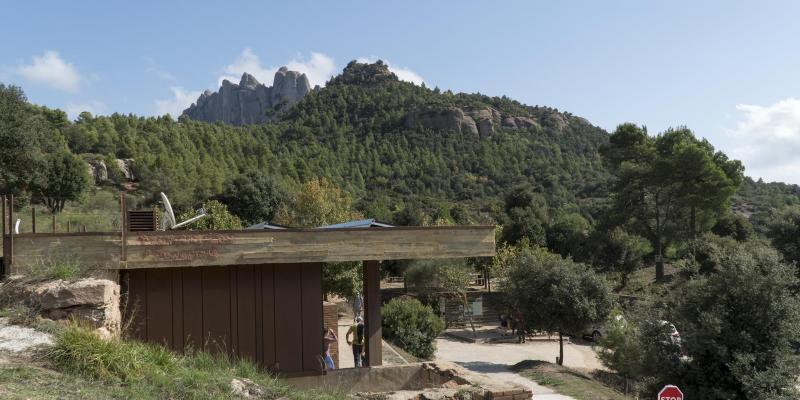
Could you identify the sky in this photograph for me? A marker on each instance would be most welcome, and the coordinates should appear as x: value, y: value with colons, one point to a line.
x: 726, y: 69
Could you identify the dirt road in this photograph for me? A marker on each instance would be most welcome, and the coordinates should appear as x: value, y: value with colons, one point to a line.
x: 494, y: 359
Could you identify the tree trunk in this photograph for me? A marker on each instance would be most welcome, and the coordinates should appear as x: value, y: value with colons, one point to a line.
x: 659, y: 262
x: 560, y: 348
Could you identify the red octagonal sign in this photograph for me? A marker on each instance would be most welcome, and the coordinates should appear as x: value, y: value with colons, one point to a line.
x: 670, y: 392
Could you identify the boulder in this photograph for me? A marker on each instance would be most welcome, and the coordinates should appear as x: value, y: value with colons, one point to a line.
x: 94, y: 302
x: 519, y: 122
x: 555, y: 120
x: 485, y: 119
x: 125, y: 165
x: 247, y: 389
x: 98, y: 171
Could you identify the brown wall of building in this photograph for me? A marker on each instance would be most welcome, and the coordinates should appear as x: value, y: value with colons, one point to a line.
x: 330, y: 314
x: 271, y: 314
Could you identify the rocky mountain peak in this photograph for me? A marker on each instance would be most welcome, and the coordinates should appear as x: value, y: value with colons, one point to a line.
x: 248, y: 81
x: 365, y: 73
x: 249, y: 102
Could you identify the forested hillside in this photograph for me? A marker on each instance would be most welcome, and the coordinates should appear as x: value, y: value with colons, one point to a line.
x: 390, y: 145
x: 353, y: 132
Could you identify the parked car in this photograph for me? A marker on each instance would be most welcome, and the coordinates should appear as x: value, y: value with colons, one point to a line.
x: 598, y: 331
x: 595, y: 332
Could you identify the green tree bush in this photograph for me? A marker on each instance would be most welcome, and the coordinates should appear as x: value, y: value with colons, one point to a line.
x: 621, y: 349
x: 663, y: 182
x: 412, y: 326
x: 784, y: 231
x: 218, y: 218
x: 255, y: 197
x: 65, y: 178
x: 738, y: 326
x: 555, y: 294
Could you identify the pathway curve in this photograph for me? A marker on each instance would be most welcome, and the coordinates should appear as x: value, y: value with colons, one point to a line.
x: 494, y: 359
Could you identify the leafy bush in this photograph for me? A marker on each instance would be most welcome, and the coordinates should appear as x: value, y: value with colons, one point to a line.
x: 412, y: 326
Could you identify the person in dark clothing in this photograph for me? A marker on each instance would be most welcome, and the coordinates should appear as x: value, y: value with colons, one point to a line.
x: 519, y: 322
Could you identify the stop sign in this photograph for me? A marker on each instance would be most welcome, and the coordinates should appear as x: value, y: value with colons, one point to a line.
x: 670, y: 392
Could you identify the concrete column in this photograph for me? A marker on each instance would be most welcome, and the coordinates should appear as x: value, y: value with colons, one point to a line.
x: 372, y: 312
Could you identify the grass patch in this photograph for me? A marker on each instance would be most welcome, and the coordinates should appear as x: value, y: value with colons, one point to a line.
x: 137, y: 370
x: 567, y: 381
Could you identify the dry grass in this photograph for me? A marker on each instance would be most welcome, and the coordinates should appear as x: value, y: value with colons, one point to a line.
x: 567, y: 381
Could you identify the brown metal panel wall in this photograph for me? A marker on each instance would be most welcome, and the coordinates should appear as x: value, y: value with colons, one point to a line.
x: 288, y: 318
x: 271, y: 314
x: 313, y: 332
x: 178, y: 336
x: 159, y: 306
x: 216, y: 309
x: 267, y: 320
x: 192, y: 314
x: 246, y: 312
x: 288, y: 323
x: 136, y: 303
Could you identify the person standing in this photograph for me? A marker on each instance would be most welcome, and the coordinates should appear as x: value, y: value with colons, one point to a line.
x: 519, y: 321
x: 358, y: 305
x: 357, y: 342
x: 329, y: 339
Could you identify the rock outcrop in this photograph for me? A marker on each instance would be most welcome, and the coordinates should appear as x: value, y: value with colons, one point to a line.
x: 125, y: 166
x: 356, y: 73
x: 94, y: 302
x: 483, y: 122
x: 249, y: 102
x: 441, y: 119
x: 98, y: 171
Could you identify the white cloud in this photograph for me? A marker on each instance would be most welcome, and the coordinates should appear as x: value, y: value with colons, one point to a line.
x: 768, y: 140
x: 51, y: 70
x: 318, y: 68
x: 153, y: 68
x: 93, y: 106
x: 403, y: 73
x: 181, y: 100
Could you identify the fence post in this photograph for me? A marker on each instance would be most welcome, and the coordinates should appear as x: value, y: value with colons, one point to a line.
x: 5, y: 245
x: 67, y: 226
x: 8, y: 258
x: 33, y: 219
x: 54, y: 222
x: 124, y: 233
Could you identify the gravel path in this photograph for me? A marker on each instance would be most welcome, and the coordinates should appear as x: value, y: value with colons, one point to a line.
x: 494, y: 360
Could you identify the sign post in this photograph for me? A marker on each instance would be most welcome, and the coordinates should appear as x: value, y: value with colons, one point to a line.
x: 670, y: 392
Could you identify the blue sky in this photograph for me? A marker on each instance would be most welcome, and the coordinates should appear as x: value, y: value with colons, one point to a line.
x: 728, y: 70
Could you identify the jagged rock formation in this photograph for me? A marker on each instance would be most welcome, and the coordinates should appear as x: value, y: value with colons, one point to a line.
x: 475, y: 121
x: 441, y: 119
x: 361, y: 73
x: 250, y: 102
x: 98, y: 169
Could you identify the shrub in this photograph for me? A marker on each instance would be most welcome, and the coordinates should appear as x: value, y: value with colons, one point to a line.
x: 81, y: 351
x: 412, y: 326
x: 131, y: 369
